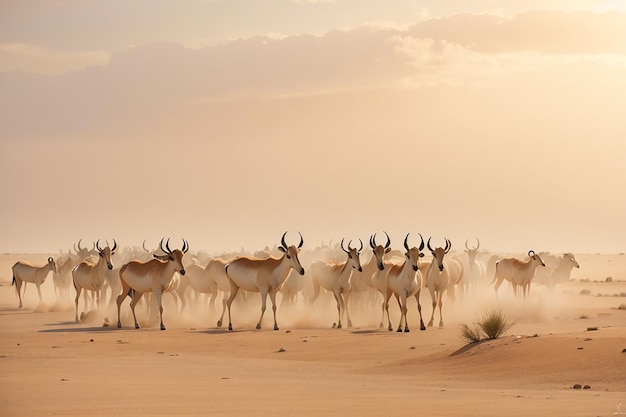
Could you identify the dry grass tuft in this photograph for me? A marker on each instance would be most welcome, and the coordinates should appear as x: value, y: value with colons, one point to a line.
x: 492, y: 325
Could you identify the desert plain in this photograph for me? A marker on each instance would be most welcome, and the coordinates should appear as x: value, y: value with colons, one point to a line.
x: 572, y: 334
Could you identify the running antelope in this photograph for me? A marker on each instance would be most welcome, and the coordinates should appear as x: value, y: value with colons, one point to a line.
x: 335, y: 277
x: 154, y: 276
x: 24, y: 272
x: 264, y: 276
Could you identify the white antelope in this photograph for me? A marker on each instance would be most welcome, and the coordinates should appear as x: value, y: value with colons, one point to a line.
x: 363, y: 281
x: 553, y: 274
x: 405, y: 280
x: 154, y: 276
x: 264, y: 276
x: 335, y: 277
x: 517, y: 272
x: 438, y: 278
x: 90, y: 276
x: 24, y: 272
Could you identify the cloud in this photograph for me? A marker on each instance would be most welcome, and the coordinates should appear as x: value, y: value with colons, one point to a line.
x: 38, y: 59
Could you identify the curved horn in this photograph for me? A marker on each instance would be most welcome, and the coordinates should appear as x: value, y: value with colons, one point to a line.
x: 361, y: 245
x: 477, y: 244
x: 185, y: 246
x: 301, y: 241
x: 143, y: 245
x: 167, y: 245
x: 282, y: 241
x: 94, y: 246
x: 98, y: 246
x: 79, y: 248
x: 421, y: 243
x: 428, y: 245
x: 406, y: 241
x: 388, y: 241
x: 344, y: 249
x: 531, y: 253
x: 161, y: 246
x: 448, y: 245
x: 114, y: 246
x: 466, y: 247
x: 373, y: 241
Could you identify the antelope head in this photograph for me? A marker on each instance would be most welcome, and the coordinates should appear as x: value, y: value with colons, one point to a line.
x: 413, y: 254
x: 572, y: 260
x: 439, y: 252
x: 291, y: 253
x: 535, y: 257
x: 175, y: 256
x: 472, y: 252
x: 353, y: 255
x: 106, y: 252
x: 379, y: 251
x: 51, y: 264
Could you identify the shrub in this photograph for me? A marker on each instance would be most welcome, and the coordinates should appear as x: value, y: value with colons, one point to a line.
x: 470, y: 334
x: 492, y: 325
x: 585, y: 291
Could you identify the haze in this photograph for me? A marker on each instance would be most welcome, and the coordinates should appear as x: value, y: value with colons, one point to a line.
x: 229, y: 122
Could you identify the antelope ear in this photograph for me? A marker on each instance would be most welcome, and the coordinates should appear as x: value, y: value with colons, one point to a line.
x: 421, y: 255
x: 387, y: 250
x: 280, y: 248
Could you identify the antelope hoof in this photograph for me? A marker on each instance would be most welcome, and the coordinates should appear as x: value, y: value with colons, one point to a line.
x: 162, y: 326
x: 230, y: 327
x: 430, y: 323
x: 136, y: 325
x: 119, y: 325
x: 440, y: 324
x: 422, y: 327
x: 399, y: 329
x: 406, y: 330
x: 258, y: 327
x: 349, y: 324
x: 339, y: 326
x: 334, y: 325
x: 219, y: 323
x: 390, y: 328
x: 380, y: 325
x: 276, y: 327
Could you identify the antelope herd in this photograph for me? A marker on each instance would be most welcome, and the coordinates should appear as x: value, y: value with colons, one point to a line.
x: 331, y: 270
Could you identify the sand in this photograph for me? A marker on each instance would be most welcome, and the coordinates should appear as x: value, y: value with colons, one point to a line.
x: 574, y: 334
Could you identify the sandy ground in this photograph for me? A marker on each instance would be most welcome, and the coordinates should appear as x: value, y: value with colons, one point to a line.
x: 575, y: 334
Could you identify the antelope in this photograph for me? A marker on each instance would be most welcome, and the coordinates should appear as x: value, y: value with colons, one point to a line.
x: 90, y: 276
x: 24, y: 272
x: 335, y: 277
x: 363, y: 280
x: 154, y: 276
x: 560, y: 272
x: 517, y: 272
x: 264, y: 276
x: 437, y: 278
x: 475, y: 267
x: 405, y: 280
x: 62, y: 277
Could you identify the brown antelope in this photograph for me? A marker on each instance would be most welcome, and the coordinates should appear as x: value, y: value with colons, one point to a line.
x: 517, y: 272
x: 264, y: 276
x: 90, y: 276
x: 437, y: 278
x: 405, y: 280
x: 24, y: 272
x: 335, y: 277
x: 154, y: 276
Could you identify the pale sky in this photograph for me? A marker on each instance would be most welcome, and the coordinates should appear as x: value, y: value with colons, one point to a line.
x: 229, y: 122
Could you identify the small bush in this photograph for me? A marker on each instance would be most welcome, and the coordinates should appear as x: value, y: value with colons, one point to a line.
x: 622, y: 307
x: 585, y: 292
x: 492, y: 325
x: 470, y: 334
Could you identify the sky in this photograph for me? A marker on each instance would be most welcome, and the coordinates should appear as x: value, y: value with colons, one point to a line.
x: 227, y: 123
